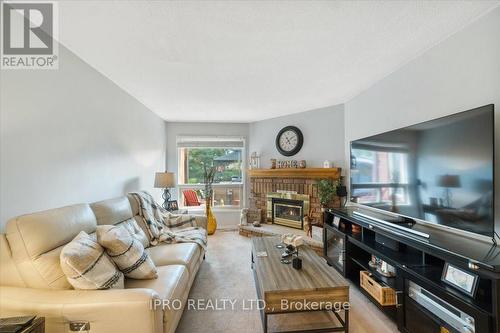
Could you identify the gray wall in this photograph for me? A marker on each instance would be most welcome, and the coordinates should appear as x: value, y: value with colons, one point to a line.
x: 323, y: 131
x: 461, y: 73
x: 70, y: 136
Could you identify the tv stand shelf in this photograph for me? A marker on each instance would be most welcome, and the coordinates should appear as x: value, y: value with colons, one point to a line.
x: 393, y: 257
x: 388, y: 281
x: 350, y: 245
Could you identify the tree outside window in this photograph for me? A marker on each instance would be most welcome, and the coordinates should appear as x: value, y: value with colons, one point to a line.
x: 228, y: 178
x: 226, y: 160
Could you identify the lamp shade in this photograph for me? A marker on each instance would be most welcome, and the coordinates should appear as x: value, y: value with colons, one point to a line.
x: 164, y: 180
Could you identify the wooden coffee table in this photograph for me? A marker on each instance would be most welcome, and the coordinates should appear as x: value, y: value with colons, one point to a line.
x: 315, y: 287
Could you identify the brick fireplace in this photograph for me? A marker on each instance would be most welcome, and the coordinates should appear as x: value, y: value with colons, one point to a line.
x: 266, y: 183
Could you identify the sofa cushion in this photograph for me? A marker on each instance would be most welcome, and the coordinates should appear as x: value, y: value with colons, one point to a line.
x: 44, y: 231
x: 186, y: 254
x: 126, y: 252
x: 172, y: 284
x: 87, y: 266
x: 134, y: 205
x: 9, y: 275
x: 119, y: 211
x: 36, y: 240
x: 112, y: 211
x: 172, y: 281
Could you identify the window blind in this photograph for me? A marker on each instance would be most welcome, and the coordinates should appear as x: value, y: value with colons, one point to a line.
x: 210, y: 142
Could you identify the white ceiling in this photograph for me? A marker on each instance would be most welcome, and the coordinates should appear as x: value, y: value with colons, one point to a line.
x: 243, y: 61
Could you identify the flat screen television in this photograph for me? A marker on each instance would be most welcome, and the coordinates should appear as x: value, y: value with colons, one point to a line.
x: 440, y: 171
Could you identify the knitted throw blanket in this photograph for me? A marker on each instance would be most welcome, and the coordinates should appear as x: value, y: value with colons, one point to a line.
x: 166, y: 227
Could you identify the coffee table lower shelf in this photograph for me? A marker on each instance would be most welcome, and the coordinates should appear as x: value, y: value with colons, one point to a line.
x: 344, y: 323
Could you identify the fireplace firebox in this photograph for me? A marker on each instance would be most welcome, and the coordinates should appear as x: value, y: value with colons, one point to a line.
x: 288, y: 212
x: 287, y: 208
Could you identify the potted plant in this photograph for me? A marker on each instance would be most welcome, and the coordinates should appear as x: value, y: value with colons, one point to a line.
x: 327, y: 189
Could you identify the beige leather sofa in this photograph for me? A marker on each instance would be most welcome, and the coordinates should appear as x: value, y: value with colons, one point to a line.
x: 32, y: 282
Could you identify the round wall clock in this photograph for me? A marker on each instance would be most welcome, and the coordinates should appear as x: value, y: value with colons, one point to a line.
x: 289, y: 141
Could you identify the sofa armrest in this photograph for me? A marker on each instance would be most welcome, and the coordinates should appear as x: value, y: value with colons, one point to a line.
x: 201, y: 221
x: 116, y: 310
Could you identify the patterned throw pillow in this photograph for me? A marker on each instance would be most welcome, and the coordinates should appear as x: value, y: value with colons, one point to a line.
x: 135, y: 231
x: 126, y: 251
x: 87, y: 266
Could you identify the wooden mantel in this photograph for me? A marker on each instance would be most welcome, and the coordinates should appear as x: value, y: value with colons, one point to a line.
x: 309, y: 173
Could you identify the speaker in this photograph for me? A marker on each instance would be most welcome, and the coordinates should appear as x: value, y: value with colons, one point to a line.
x: 341, y: 191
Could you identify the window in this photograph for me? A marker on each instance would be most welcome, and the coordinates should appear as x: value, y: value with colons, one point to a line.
x: 226, y: 154
x: 381, y: 176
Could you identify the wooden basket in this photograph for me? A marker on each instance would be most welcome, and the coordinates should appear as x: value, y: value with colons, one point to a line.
x: 386, y: 296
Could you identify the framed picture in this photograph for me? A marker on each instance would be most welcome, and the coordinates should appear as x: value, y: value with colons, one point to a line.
x: 460, y: 279
x: 336, y: 221
x: 173, y: 205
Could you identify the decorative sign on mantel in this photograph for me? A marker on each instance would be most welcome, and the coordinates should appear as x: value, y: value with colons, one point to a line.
x: 288, y: 164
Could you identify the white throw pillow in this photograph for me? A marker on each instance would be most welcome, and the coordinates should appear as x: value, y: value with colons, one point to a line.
x: 87, y: 266
x: 136, y: 231
x: 126, y: 251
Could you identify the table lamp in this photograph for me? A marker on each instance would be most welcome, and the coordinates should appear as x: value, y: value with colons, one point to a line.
x: 165, y: 180
x: 449, y: 182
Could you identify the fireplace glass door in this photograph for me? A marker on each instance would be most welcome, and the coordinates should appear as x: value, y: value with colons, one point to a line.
x: 288, y: 213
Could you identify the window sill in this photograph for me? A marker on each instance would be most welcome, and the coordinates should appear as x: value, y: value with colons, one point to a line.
x: 214, y: 185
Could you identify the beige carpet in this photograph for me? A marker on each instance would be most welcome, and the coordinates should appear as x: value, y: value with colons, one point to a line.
x: 226, y: 275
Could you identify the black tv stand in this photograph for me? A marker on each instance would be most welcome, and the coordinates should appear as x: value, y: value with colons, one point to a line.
x: 350, y: 244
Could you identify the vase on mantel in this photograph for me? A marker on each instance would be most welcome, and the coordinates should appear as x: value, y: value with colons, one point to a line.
x: 211, y: 220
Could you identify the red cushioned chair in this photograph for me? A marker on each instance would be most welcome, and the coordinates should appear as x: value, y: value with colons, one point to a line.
x: 191, y: 198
